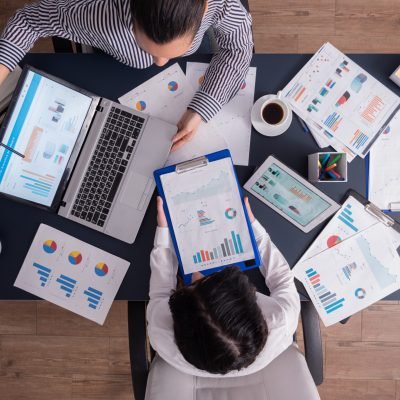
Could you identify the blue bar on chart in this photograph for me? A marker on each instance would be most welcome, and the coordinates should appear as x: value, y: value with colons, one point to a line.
x: 67, y: 284
x: 329, y: 300
x: 229, y: 247
x: 94, y: 297
x: 43, y: 272
x: 345, y: 217
x: 36, y: 183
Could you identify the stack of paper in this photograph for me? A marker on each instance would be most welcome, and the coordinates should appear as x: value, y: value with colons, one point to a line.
x: 71, y: 273
x: 341, y: 102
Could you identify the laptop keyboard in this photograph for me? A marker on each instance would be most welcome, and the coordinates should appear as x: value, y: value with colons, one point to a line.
x: 107, y: 166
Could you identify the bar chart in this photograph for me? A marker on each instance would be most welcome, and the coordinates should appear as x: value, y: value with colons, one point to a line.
x: 228, y: 247
x: 43, y: 272
x: 93, y: 297
x: 329, y: 300
x: 346, y: 217
x: 67, y: 284
x: 333, y: 121
x: 40, y: 185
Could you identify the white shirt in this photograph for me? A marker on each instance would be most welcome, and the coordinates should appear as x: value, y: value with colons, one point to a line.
x: 280, y: 309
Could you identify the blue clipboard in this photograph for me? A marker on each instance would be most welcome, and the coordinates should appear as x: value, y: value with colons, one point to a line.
x: 203, y: 162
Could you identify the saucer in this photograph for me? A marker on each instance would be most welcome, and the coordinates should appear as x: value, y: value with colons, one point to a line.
x: 260, y: 126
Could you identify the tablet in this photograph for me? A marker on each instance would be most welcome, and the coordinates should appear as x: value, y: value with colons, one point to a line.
x: 290, y: 195
x: 206, y: 215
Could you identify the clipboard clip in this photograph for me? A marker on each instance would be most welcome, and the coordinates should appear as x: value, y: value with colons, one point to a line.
x: 186, y: 166
x: 379, y: 215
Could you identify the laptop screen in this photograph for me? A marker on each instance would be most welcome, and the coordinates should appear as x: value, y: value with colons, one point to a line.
x: 43, y: 127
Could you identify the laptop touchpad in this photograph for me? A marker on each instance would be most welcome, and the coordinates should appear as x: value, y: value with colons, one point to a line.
x: 136, y: 189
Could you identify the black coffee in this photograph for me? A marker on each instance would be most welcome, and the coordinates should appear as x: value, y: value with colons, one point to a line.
x: 272, y: 113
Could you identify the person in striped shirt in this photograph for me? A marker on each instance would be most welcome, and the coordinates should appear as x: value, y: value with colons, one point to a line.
x: 140, y: 33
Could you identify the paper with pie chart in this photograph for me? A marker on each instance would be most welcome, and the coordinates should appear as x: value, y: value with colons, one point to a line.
x: 208, y: 217
x: 352, y: 274
x: 72, y: 274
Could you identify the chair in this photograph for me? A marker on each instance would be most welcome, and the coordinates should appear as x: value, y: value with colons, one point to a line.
x: 286, y: 377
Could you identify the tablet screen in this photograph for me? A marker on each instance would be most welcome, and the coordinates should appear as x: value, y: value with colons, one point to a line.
x: 289, y: 195
x: 207, y: 217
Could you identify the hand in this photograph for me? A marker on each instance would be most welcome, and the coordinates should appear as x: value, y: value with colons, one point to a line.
x: 187, y: 128
x: 4, y: 71
x: 161, y: 218
x: 249, y: 212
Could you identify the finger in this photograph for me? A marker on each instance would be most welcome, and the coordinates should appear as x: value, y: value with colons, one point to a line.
x: 159, y: 204
x: 249, y: 211
x: 181, y: 134
x: 177, y: 145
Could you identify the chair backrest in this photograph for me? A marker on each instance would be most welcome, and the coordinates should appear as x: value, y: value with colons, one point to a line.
x: 285, y: 378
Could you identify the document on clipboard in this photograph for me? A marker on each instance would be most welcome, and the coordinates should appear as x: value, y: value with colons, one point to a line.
x: 207, y: 219
x: 353, y: 263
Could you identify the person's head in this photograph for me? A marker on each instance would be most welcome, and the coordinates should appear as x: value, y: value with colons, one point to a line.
x: 166, y: 28
x: 218, y: 324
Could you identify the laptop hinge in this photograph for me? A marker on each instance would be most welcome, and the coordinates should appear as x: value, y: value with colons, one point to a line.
x: 99, y: 108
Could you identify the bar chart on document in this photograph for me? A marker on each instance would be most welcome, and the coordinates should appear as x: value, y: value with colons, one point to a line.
x: 208, y: 217
x: 353, y: 274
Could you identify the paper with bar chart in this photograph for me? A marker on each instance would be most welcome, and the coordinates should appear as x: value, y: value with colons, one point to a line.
x: 384, y: 168
x: 207, y: 215
x: 166, y: 96
x: 71, y: 273
x: 351, y: 275
x: 44, y: 128
x: 233, y: 121
x: 335, y: 94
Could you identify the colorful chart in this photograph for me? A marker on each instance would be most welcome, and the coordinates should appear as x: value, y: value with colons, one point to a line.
x: 243, y: 85
x: 67, y: 284
x: 203, y: 219
x: 173, y: 86
x: 101, y: 269
x: 141, y: 105
x: 94, y: 297
x: 333, y: 241
x: 360, y: 293
x: 75, y: 257
x: 50, y: 246
x: 43, y: 272
x: 387, y: 130
x: 230, y: 213
x: 346, y: 217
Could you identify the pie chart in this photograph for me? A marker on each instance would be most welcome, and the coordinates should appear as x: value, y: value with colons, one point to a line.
x: 101, y: 269
x: 50, y: 246
x: 333, y: 240
x: 172, y: 86
x: 140, y: 105
x: 230, y: 213
x: 75, y: 257
x: 243, y: 85
x: 360, y: 293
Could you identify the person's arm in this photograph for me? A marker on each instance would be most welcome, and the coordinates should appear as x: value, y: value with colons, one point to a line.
x: 278, y: 277
x: 229, y: 67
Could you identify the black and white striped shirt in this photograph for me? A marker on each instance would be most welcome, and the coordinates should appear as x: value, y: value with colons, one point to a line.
x: 107, y: 25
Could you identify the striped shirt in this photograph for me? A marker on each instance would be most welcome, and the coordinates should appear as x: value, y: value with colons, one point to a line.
x: 107, y: 25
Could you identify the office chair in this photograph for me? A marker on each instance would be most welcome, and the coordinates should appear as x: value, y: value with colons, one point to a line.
x: 288, y: 376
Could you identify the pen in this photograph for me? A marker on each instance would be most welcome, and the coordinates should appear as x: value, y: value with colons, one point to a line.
x: 303, y: 125
x: 332, y: 175
x: 12, y: 150
x: 337, y: 158
x: 331, y: 166
x: 325, y: 159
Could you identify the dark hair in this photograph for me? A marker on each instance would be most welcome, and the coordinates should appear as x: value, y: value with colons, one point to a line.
x: 165, y: 20
x: 218, y: 324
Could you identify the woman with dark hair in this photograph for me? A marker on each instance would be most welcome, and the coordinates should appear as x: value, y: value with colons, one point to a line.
x: 219, y: 325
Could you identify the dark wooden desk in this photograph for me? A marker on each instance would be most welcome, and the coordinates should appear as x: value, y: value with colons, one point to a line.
x: 103, y: 75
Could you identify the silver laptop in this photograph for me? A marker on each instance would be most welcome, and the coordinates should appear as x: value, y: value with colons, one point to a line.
x: 87, y: 158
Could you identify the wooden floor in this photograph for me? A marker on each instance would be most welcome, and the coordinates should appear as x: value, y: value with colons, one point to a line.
x: 49, y: 353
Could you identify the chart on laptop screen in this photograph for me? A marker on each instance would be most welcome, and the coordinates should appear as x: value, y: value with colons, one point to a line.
x: 44, y: 127
x: 208, y: 217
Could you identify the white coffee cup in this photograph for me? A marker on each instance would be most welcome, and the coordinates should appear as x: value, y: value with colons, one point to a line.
x: 270, y: 120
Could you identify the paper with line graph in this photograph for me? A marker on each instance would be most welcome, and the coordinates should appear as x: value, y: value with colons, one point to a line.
x: 71, y: 273
x: 352, y: 274
x: 335, y: 94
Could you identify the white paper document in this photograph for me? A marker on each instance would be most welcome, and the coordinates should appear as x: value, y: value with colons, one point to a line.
x: 71, y: 273
x: 351, y: 275
x: 233, y: 121
x: 384, y: 168
x: 336, y: 94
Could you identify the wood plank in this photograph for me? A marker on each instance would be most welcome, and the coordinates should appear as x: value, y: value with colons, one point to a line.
x: 362, y: 360
x: 102, y: 387
x: 367, y: 18
x: 350, y: 43
x: 54, y: 356
x: 17, y: 317
x: 56, y: 321
x: 349, y: 389
x: 266, y: 43
x: 292, y: 17
x: 381, y: 322
x: 119, y: 355
x: 31, y: 388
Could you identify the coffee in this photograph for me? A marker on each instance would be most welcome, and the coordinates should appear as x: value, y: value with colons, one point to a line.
x: 273, y: 113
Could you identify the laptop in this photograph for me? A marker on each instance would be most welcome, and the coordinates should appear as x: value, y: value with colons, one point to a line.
x: 87, y: 158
